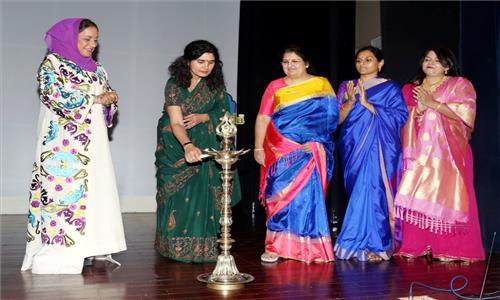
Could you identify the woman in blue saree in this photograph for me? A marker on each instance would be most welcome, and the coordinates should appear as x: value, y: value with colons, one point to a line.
x: 294, y: 146
x: 372, y: 114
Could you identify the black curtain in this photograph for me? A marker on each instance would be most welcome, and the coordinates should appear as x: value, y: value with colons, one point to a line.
x: 408, y: 28
x: 471, y: 31
x: 326, y: 29
x: 480, y: 59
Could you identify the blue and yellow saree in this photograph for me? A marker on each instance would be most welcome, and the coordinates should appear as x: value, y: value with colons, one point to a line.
x: 293, y: 181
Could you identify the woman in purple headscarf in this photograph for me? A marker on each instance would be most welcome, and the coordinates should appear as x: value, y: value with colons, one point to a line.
x: 74, y: 212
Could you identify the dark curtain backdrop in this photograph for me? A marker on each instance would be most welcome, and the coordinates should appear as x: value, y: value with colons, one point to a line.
x: 410, y: 27
x: 480, y: 60
x: 326, y: 29
x: 471, y: 30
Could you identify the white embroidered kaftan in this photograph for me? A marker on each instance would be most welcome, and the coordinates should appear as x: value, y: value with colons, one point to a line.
x: 74, y: 209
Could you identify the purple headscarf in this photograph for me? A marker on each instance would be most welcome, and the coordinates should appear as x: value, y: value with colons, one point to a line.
x: 62, y: 38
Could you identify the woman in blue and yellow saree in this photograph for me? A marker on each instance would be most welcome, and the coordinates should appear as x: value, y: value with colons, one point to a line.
x: 294, y: 146
x: 372, y: 114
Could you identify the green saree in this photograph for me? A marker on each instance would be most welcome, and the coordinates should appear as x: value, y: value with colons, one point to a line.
x: 187, y: 195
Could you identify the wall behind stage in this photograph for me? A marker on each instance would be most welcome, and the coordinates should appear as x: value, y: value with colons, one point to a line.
x: 138, y: 42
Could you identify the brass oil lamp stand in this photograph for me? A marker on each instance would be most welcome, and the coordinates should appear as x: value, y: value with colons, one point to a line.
x: 226, y: 276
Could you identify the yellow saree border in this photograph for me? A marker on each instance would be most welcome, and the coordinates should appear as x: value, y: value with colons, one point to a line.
x: 310, y: 88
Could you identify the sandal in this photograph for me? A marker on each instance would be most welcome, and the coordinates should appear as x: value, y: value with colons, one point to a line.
x: 88, y: 261
x: 269, y: 257
x: 108, y: 258
x: 372, y: 257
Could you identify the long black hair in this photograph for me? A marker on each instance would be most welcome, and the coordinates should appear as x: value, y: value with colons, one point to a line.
x: 181, y: 71
x: 446, y: 58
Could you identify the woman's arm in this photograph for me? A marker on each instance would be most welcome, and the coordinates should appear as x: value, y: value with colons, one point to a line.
x: 362, y: 98
x: 191, y: 152
x: 67, y: 99
x: 261, y: 124
x: 348, y: 91
x: 192, y: 120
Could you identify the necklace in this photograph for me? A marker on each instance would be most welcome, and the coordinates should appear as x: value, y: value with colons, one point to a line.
x: 432, y: 86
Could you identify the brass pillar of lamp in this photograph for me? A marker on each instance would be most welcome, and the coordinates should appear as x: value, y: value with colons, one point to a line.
x: 226, y: 276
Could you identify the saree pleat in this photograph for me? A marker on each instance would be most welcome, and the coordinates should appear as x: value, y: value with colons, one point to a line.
x: 294, y: 182
x: 187, y: 212
x: 370, y: 151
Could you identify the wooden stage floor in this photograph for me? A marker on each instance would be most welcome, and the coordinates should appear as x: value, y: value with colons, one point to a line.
x: 146, y: 275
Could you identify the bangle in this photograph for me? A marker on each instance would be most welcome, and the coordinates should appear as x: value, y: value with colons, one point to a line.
x: 258, y: 149
x: 186, y: 143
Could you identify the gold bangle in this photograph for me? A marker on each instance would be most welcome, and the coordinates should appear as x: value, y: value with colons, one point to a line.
x: 258, y: 149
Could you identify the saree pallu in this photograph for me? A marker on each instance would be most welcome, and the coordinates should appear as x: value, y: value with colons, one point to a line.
x: 294, y: 182
x: 370, y: 149
x: 187, y: 195
x: 436, y: 200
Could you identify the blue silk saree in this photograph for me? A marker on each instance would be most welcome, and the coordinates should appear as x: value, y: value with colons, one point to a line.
x: 293, y: 181
x: 370, y: 154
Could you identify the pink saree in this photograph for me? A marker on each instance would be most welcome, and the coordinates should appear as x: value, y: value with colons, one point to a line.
x: 436, y: 202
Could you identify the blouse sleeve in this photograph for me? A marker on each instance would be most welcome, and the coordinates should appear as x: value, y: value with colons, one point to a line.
x: 172, y: 94
x: 266, y: 104
x: 341, y: 93
x: 407, y: 92
x: 109, y: 110
x: 61, y: 91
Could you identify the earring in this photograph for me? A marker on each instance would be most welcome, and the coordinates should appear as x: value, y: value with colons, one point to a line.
x: 445, y: 72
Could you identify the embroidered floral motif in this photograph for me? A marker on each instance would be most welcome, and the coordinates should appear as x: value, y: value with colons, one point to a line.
x: 177, y: 182
x: 52, y: 134
x: 171, y: 221
x: 189, y: 249
x: 59, y: 185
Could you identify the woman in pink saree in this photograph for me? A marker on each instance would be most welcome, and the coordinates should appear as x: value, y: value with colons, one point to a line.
x: 436, y: 201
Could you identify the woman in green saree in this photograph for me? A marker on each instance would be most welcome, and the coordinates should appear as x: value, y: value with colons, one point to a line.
x: 187, y: 187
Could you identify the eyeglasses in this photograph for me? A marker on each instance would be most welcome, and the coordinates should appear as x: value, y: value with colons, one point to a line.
x: 292, y: 62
